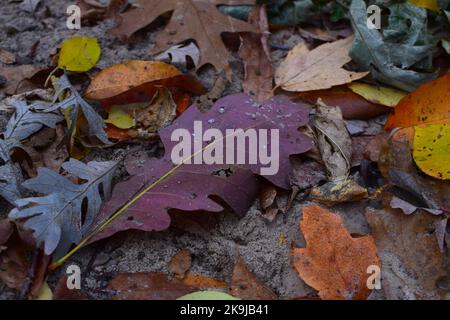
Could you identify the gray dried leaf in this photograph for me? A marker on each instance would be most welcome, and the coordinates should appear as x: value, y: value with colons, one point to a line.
x: 179, y: 53
x: 94, y: 120
x: 29, y: 119
x: 57, y: 217
x: 10, y: 178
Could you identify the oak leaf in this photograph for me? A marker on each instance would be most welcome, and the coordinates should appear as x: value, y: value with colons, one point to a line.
x: 333, y: 262
x: 191, y: 19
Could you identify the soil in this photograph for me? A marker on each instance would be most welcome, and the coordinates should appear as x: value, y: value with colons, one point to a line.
x: 264, y: 246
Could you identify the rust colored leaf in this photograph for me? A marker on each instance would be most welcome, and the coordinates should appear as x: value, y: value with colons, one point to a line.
x: 427, y: 105
x: 203, y: 282
x: 63, y: 293
x: 333, y: 262
x: 147, y: 286
x: 247, y: 286
x: 255, y: 54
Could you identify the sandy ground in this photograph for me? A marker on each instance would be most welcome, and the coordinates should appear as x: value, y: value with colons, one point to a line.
x: 264, y: 246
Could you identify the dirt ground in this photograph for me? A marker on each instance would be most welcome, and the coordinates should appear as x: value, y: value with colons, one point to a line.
x: 264, y: 246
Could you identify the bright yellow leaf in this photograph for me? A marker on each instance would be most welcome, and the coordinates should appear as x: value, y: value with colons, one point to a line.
x: 427, y: 4
x: 376, y: 94
x: 79, y: 54
x: 431, y: 149
x: 120, y: 118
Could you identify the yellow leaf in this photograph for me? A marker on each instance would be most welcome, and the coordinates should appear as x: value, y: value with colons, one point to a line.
x: 376, y: 94
x: 431, y: 150
x: 45, y: 293
x: 79, y: 54
x: 427, y: 4
x: 120, y: 118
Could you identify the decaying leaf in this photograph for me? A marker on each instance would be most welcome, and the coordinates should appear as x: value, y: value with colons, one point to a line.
x: 182, y: 27
x: 321, y: 68
x: 338, y: 191
x: 16, y: 75
x: 377, y: 94
x: 426, y: 105
x: 54, y: 222
x: 333, y: 140
x: 194, y: 187
x: 411, y: 259
x: 255, y: 53
x: 391, y: 56
x: 79, y: 54
x: 333, y: 262
x: 147, y: 286
x: 431, y: 149
x: 247, y: 286
x: 427, y: 4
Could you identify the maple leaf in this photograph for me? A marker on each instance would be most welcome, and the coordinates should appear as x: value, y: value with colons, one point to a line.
x: 197, y: 187
x: 191, y: 19
x: 334, y: 263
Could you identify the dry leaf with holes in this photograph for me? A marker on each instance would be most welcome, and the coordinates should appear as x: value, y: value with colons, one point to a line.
x: 320, y: 68
x: 333, y: 262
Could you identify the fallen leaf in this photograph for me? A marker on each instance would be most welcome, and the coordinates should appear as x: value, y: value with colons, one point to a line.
x: 380, y: 95
x: 180, y: 263
x: 321, y: 68
x: 255, y: 53
x: 408, y: 208
x: 427, y: 4
x: 147, y: 286
x: 410, y: 255
x: 431, y: 149
x: 182, y: 189
x: 45, y: 149
x: 391, y: 55
x: 352, y: 105
x: 333, y: 140
x: 182, y: 27
x: 179, y: 55
x: 55, y: 224
x: 7, y: 57
x: 120, y: 118
x: 44, y: 293
x: 136, y: 76
x: 426, y: 105
x: 62, y: 292
x: 307, y: 173
x: 338, y: 191
x: 79, y: 54
x: 247, y: 286
x: 16, y: 75
x: 333, y: 262
x: 203, y: 282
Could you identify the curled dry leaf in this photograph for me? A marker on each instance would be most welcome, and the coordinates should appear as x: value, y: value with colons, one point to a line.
x: 427, y: 105
x: 410, y: 255
x: 338, y: 191
x: 247, y: 286
x: 180, y: 263
x: 333, y: 262
x: 182, y: 27
x: 321, y: 68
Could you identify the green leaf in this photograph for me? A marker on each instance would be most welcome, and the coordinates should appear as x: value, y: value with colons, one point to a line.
x: 79, y: 54
x: 208, y: 295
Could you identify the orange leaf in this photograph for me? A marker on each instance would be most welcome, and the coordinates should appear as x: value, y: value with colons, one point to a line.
x: 122, y: 77
x: 333, y: 262
x: 202, y: 282
x: 116, y: 133
x: 427, y: 105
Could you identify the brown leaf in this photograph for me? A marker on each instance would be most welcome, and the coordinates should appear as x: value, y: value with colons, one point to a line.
x: 321, y: 68
x: 338, y: 191
x: 16, y: 75
x: 409, y: 251
x: 333, y: 262
x: 180, y: 263
x: 247, y: 286
x: 352, y: 105
x: 45, y: 149
x: 6, y: 230
x: 147, y: 286
x: 202, y: 282
x: 190, y: 20
x: 255, y: 54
